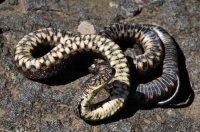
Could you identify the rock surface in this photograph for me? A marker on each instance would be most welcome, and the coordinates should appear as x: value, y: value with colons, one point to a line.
x: 27, y: 105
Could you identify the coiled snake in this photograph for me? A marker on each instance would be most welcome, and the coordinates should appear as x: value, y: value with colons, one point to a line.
x: 169, y: 81
x: 66, y: 46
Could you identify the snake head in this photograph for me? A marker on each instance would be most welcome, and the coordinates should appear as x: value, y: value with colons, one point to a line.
x: 91, y: 87
x: 99, y: 80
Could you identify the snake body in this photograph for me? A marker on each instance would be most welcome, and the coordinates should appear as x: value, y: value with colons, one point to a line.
x: 48, y: 65
x: 150, y: 42
x: 91, y: 87
x: 169, y: 80
x: 159, y: 88
x: 54, y: 61
x: 69, y: 45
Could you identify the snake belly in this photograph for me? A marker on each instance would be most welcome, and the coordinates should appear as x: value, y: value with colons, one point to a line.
x: 168, y: 82
x: 158, y: 90
x: 68, y: 45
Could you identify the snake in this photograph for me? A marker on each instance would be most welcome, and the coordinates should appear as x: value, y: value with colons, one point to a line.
x: 65, y: 48
x: 168, y: 82
x: 150, y: 42
x: 90, y: 88
x: 65, y: 45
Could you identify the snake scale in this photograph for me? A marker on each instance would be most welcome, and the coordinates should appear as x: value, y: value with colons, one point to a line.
x: 66, y: 46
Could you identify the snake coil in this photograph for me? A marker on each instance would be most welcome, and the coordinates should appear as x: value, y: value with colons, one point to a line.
x: 169, y: 81
x: 65, y: 46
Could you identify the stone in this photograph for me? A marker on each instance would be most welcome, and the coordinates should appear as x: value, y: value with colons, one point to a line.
x: 86, y: 28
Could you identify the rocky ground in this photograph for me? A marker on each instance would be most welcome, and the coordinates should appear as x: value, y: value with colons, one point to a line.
x: 27, y: 105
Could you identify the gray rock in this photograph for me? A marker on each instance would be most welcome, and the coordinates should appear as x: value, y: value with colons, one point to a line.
x: 28, y: 92
x: 26, y: 96
x: 52, y: 126
x: 56, y: 95
x: 121, y: 127
x: 5, y: 5
x: 21, y: 129
x: 127, y: 12
x: 16, y: 112
x: 54, y: 5
x: 4, y: 27
x: 13, y: 2
x: 2, y: 83
x: 38, y: 19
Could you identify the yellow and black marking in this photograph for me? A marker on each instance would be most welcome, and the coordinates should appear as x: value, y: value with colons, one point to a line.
x: 55, y: 61
x: 149, y: 40
x: 91, y: 87
x: 45, y: 66
x: 68, y: 45
x: 160, y: 88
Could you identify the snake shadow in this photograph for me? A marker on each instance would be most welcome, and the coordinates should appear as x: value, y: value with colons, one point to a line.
x: 72, y: 72
x: 184, y: 98
x: 1, y: 1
